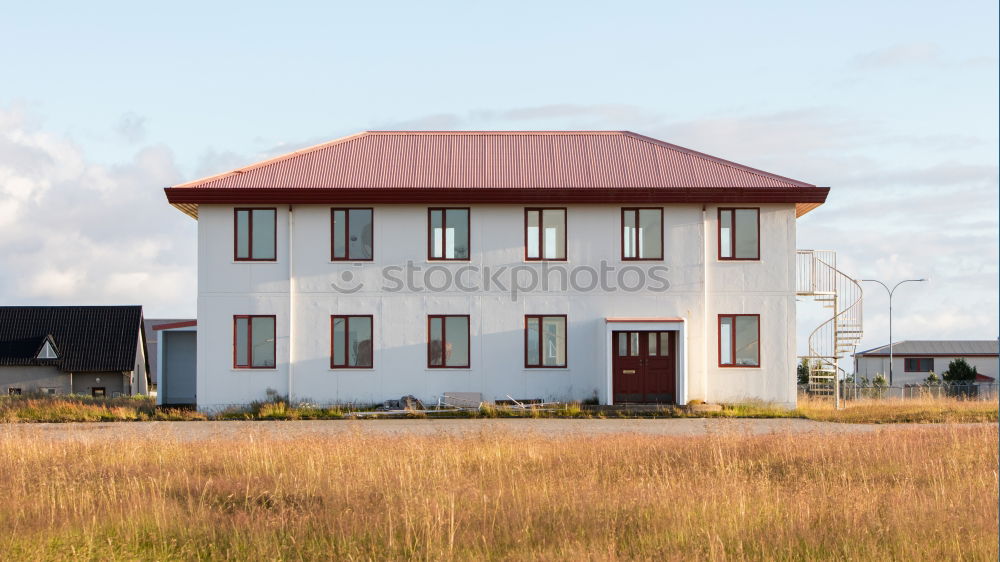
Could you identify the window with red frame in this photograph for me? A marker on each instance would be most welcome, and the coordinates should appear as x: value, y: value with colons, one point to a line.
x: 255, y: 232
x: 447, y: 341
x: 352, y: 342
x: 352, y: 235
x: 545, y: 234
x: 918, y: 364
x: 544, y: 341
x: 642, y: 234
x: 739, y: 340
x: 739, y: 234
x: 253, y: 342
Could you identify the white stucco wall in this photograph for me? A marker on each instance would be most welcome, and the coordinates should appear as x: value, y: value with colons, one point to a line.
x: 228, y: 288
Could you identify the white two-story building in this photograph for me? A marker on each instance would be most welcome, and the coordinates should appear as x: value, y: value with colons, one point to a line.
x: 559, y: 265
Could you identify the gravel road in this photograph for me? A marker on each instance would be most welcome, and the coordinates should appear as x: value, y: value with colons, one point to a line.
x: 205, y: 430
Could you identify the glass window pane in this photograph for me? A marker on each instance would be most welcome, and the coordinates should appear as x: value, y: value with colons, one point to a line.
x: 458, y: 234
x: 726, y: 234
x: 650, y: 233
x: 653, y: 340
x: 241, y: 342
x: 554, y: 225
x: 633, y: 343
x: 726, y: 340
x: 553, y: 341
x: 747, y: 341
x: 664, y: 344
x: 435, y: 347
x: 360, y: 341
x: 242, y: 234
x: 746, y: 233
x: 457, y: 343
x: 360, y: 246
x: 531, y: 343
x: 622, y: 344
x: 263, y: 234
x: 339, y: 233
x: 628, y: 234
x: 339, y: 352
x: 437, y: 234
x: 531, y: 234
x: 262, y: 330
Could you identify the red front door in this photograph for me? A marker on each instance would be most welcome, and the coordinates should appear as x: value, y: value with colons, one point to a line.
x: 644, y: 367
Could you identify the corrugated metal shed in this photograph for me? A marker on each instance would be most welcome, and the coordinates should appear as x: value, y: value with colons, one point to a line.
x: 88, y: 338
x: 936, y: 347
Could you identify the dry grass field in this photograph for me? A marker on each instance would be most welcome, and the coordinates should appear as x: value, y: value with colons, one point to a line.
x: 910, y: 493
x: 21, y: 409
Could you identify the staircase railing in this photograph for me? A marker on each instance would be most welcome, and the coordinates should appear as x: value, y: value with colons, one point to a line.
x: 817, y: 276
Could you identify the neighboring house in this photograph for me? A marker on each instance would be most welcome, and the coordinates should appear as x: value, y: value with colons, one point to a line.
x: 153, y: 343
x: 92, y: 350
x: 383, y: 264
x: 176, y: 362
x: 913, y: 360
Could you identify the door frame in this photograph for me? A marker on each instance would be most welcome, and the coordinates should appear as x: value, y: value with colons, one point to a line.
x: 678, y: 325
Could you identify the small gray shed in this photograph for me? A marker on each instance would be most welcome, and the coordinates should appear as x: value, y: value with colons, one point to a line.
x: 177, y: 363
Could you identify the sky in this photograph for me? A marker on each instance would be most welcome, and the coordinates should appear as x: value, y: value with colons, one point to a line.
x: 894, y: 105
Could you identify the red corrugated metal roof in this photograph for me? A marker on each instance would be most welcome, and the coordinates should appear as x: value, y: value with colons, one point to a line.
x: 495, y: 159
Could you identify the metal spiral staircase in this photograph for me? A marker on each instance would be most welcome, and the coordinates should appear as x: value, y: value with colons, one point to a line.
x: 817, y: 276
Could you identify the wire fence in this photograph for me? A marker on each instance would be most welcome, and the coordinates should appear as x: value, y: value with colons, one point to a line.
x: 850, y: 391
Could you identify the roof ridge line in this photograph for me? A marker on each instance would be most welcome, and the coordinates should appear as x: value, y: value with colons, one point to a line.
x: 723, y: 161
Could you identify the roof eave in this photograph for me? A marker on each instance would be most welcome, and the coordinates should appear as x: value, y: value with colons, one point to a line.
x: 187, y: 199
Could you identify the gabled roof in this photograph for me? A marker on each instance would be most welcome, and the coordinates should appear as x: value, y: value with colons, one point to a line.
x: 498, y: 167
x: 956, y: 348
x: 89, y: 338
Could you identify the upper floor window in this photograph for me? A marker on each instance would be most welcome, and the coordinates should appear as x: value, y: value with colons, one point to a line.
x: 642, y: 234
x: 918, y: 364
x: 545, y: 234
x: 256, y: 234
x: 447, y: 341
x: 544, y: 341
x: 352, y: 342
x: 253, y: 342
x: 448, y: 234
x: 739, y: 340
x: 739, y: 234
x: 352, y: 235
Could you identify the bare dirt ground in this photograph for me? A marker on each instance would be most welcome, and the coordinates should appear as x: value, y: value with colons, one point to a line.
x: 241, y: 430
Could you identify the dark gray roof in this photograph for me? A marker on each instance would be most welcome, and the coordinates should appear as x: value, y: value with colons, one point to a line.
x: 937, y: 347
x: 87, y: 338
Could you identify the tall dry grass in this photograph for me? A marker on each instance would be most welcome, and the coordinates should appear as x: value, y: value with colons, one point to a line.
x: 923, y: 493
x: 928, y: 409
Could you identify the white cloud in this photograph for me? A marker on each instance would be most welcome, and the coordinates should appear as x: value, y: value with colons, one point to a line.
x: 74, y: 232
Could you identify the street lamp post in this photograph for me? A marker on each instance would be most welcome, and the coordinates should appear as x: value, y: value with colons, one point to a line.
x: 891, y: 291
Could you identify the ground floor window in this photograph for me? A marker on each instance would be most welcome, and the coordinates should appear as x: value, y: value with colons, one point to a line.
x: 352, y: 342
x: 447, y: 341
x: 98, y: 392
x: 739, y: 340
x: 253, y: 342
x: 918, y: 364
x: 48, y: 390
x: 544, y: 341
x: 13, y: 391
